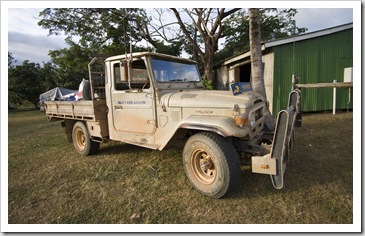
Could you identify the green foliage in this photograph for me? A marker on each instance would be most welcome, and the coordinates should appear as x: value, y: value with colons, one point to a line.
x: 101, y: 31
x: 10, y: 59
x: 25, y: 83
x: 47, y: 74
x: 105, y: 30
x: 171, y: 49
x: 71, y: 65
x: 96, y: 27
x: 208, y: 84
x: 274, y: 24
x: 109, y: 31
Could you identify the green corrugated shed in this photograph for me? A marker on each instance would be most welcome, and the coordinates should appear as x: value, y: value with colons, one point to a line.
x: 319, y: 59
x: 315, y: 57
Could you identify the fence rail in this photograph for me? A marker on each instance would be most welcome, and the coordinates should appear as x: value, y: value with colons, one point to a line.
x: 325, y: 85
x: 334, y: 85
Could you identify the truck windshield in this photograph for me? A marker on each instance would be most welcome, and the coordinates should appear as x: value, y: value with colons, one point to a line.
x: 172, y: 71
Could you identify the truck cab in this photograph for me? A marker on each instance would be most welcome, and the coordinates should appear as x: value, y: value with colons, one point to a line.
x: 151, y: 96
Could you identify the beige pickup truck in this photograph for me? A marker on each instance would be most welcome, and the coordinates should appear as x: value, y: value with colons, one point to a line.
x: 152, y: 100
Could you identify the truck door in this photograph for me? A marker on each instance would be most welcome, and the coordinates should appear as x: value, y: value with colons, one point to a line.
x: 132, y: 101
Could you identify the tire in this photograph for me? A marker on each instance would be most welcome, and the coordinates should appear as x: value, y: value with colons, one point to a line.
x: 211, y: 164
x: 86, y: 90
x: 81, y: 140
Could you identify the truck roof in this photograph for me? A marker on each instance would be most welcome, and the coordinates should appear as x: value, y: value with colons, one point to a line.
x: 153, y: 54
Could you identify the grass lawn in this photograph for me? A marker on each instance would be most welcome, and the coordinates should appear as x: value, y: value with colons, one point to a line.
x: 49, y: 183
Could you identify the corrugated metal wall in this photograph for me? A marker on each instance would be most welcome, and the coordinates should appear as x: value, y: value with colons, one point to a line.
x: 317, y: 60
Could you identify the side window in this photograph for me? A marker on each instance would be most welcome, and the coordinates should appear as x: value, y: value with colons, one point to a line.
x: 120, y: 78
x: 139, y: 76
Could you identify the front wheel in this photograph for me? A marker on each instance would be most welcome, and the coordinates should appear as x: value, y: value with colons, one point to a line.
x: 211, y: 164
x: 81, y: 140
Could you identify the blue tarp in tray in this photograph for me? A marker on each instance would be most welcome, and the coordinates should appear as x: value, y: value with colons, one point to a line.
x: 57, y: 94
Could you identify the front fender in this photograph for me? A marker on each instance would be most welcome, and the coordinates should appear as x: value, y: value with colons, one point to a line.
x: 223, y: 126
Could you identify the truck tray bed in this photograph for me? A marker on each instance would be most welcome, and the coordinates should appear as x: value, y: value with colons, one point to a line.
x: 78, y: 110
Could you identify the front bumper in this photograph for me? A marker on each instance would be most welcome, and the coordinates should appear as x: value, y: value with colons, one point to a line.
x: 276, y: 161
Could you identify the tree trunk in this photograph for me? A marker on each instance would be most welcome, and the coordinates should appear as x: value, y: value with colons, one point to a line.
x: 208, y: 65
x: 256, y: 54
x: 257, y: 72
x: 209, y: 44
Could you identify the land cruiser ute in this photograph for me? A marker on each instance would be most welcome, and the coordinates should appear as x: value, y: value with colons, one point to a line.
x: 152, y: 100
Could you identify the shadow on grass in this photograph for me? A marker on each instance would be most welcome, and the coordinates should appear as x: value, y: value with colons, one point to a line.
x: 322, y: 159
x: 317, y: 160
x: 118, y: 148
x: 251, y: 185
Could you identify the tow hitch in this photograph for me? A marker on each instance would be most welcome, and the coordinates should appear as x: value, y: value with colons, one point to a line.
x: 275, y: 162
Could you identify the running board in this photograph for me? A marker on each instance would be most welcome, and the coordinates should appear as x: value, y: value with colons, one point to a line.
x: 276, y: 161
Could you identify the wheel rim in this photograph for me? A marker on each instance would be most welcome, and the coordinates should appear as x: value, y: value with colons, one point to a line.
x: 80, y: 139
x: 203, y: 166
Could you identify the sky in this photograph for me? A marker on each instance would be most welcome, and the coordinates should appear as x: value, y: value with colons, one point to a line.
x: 28, y: 41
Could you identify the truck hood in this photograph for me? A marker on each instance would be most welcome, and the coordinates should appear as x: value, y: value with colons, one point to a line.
x: 210, y: 99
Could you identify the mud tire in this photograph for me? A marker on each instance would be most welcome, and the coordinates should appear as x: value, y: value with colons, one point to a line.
x: 82, y: 141
x: 211, y: 164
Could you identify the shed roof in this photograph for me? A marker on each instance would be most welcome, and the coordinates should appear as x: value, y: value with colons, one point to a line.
x: 308, y: 35
x: 291, y: 39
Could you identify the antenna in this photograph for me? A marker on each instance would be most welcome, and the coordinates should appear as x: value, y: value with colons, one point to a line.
x: 125, y: 49
x: 125, y: 35
x: 130, y: 41
x: 130, y: 60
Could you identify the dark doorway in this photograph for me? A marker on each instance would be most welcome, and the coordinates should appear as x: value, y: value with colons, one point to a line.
x: 245, y: 73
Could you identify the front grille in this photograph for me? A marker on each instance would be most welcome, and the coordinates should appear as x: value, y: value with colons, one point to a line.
x: 258, y: 114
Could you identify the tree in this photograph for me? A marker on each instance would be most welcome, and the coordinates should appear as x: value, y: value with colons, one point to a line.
x: 47, y: 75
x: 200, y: 30
x: 71, y: 64
x: 109, y: 31
x: 10, y: 59
x: 25, y: 83
x: 10, y: 62
x: 97, y: 27
x: 257, y: 80
x: 274, y: 24
x: 207, y: 23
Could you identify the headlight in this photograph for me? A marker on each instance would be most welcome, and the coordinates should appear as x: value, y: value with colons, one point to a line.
x: 241, y: 120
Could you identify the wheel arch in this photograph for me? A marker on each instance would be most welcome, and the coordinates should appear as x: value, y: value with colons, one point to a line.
x: 223, y: 126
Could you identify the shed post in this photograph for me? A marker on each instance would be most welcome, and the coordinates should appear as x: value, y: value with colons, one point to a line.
x: 334, y: 97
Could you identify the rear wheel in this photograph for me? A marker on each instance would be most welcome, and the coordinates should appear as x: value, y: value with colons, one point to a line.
x: 81, y: 140
x: 211, y: 164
